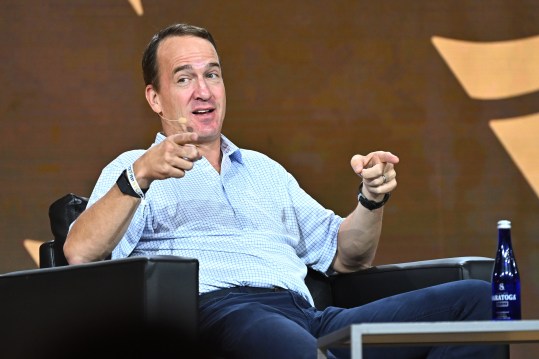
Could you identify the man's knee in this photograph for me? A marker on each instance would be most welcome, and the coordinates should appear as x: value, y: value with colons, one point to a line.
x: 475, y: 298
x: 475, y: 288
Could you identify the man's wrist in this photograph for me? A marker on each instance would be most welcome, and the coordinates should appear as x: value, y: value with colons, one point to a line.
x: 370, y: 204
x: 127, y: 183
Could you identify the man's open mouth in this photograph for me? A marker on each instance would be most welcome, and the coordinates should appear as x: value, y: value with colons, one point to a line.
x: 202, y: 112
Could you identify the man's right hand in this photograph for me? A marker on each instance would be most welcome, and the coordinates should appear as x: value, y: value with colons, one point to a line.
x: 170, y: 158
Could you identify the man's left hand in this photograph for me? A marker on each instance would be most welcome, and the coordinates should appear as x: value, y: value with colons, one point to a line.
x: 378, y: 172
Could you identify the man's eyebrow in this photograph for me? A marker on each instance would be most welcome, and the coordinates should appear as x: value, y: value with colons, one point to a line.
x: 190, y: 67
x: 181, y: 68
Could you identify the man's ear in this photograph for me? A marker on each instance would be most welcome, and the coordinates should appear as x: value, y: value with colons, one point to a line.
x: 153, y: 99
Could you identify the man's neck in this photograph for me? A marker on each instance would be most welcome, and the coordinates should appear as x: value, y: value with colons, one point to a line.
x: 213, y: 154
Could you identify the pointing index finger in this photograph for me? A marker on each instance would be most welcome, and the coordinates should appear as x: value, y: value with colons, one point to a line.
x: 378, y: 157
x: 387, y: 157
x: 184, y: 138
x: 360, y: 162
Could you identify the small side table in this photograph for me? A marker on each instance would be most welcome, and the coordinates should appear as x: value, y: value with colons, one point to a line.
x: 429, y: 333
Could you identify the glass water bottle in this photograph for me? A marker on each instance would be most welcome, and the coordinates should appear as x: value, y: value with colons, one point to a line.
x: 505, y: 278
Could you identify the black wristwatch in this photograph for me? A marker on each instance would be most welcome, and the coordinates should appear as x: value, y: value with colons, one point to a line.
x: 123, y: 184
x: 367, y: 203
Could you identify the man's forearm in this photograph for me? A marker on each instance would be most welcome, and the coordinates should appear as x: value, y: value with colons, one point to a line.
x: 100, y: 227
x: 357, y: 240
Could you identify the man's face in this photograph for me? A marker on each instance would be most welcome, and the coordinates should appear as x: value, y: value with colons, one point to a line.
x: 191, y: 86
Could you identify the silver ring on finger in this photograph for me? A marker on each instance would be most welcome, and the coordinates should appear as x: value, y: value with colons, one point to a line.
x: 384, y: 179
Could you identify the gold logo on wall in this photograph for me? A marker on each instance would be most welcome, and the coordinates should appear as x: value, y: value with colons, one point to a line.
x: 500, y: 70
x: 137, y: 6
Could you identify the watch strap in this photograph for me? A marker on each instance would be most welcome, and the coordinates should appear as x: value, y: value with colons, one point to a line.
x: 125, y: 187
x: 370, y: 204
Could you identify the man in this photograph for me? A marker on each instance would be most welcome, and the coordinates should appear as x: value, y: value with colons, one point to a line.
x: 253, y: 229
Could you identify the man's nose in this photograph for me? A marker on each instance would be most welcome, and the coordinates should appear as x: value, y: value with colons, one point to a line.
x: 202, y: 90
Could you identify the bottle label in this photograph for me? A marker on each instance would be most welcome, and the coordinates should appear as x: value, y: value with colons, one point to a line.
x: 505, y: 301
x: 504, y: 297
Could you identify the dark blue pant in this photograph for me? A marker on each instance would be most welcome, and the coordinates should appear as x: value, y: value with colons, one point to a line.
x: 284, y: 325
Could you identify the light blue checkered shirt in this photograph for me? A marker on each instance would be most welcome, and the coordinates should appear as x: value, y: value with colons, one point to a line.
x: 250, y: 225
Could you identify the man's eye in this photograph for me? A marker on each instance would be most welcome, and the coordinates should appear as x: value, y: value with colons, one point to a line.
x: 213, y: 75
x: 183, y: 80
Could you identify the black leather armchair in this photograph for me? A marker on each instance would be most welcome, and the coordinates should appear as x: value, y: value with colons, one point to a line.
x: 147, y: 306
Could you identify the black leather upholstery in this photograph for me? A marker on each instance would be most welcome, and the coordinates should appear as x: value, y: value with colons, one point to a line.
x: 382, y: 281
x: 125, y: 306
x: 62, y: 213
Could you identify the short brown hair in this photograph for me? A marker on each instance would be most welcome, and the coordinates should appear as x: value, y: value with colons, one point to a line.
x: 150, y: 70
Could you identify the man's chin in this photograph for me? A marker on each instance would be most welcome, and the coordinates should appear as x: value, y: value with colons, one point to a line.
x: 207, y: 137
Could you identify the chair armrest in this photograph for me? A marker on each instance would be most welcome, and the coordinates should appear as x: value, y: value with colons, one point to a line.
x: 130, y: 304
x: 51, y: 256
x: 354, y: 289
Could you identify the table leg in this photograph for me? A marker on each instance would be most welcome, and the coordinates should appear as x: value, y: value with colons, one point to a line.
x: 356, y: 343
x: 322, y: 353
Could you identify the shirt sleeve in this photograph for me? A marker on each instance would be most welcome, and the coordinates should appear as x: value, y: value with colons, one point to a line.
x: 106, y: 180
x: 318, y: 228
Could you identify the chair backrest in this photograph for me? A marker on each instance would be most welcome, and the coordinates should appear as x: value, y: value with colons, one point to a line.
x: 62, y: 213
x: 66, y: 209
